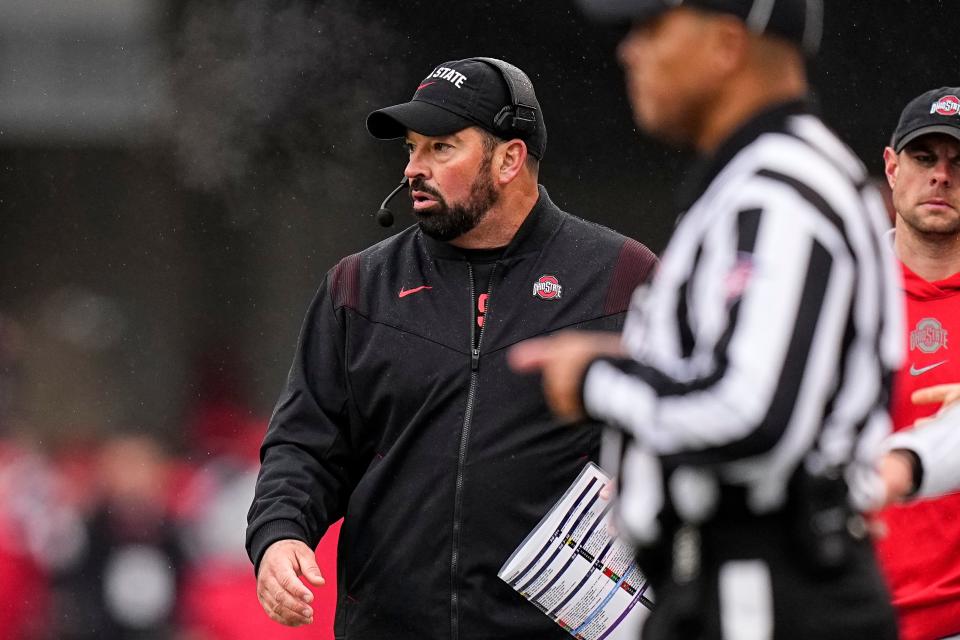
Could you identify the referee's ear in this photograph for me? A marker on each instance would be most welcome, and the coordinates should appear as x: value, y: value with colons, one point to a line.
x: 729, y: 41
x: 891, y: 165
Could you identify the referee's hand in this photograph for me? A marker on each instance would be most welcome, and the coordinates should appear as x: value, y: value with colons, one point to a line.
x: 562, y: 360
x: 281, y: 593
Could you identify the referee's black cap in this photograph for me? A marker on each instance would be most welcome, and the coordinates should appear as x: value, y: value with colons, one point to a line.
x: 800, y: 21
x: 936, y: 111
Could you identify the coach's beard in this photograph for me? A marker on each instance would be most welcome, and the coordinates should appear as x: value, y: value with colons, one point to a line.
x: 446, y: 222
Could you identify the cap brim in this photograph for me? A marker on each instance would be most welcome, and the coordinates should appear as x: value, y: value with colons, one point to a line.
x: 423, y: 117
x: 945, y: 129
x: 623, y: 10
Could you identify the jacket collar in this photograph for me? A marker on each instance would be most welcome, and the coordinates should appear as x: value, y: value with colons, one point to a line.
x: 774, y: 118
x: 541, y: 223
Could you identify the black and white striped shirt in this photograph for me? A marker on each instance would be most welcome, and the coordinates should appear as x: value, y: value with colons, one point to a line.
x: 770, y: 331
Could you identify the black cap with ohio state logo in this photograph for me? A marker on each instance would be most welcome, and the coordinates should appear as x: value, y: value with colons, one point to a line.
x: 936, y: 111
x: 456, y: 95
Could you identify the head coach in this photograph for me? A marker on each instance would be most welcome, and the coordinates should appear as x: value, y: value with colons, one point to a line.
x: 400, y: 413
x: 757, y: 385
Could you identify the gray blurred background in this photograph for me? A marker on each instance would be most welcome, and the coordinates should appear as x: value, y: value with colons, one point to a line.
x: 176, y: 176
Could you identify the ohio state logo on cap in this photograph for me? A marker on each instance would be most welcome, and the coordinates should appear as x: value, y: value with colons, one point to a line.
x: 547, y: 287
x: 946, y: 106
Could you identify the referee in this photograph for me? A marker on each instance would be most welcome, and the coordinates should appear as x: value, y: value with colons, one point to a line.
x: 755, y: 382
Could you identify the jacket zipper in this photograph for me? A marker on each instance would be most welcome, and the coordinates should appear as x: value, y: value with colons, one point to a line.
x: 475, y: 342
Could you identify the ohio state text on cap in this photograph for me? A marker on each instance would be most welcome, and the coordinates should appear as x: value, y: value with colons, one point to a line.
x: 456, y: 95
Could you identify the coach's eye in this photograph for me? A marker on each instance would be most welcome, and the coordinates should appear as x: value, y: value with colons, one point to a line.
x: 441, y: 146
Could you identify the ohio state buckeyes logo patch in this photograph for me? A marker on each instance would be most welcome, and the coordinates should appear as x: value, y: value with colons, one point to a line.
x: 929, y: 336
x: 547, y: 287
x: 946, y: 106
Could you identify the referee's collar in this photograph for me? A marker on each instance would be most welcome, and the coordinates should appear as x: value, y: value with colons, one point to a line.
x: 773, y: 118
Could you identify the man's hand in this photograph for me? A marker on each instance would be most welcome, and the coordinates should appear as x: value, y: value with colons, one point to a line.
x: 283, y: 597
x: 944, y: 394
x: 896, y: 471
x: 897, y: 466
x: 562, y: 359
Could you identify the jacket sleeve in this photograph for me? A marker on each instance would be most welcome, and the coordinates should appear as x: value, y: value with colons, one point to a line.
x: 937, y: 446
x: 304, y: 478
x: 785, y: 308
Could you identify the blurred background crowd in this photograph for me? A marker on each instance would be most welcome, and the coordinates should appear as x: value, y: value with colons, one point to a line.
x: 119, y: 535
x: 175, y: 178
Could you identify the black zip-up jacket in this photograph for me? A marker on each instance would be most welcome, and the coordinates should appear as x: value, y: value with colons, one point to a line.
x: 439, y: 457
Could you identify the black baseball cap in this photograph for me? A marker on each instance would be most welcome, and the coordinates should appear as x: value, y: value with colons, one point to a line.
x: 454, y: 96
x: 800, y: 21
x: 936, y: 111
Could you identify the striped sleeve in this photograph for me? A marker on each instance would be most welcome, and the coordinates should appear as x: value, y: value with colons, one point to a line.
x: 773, y: 286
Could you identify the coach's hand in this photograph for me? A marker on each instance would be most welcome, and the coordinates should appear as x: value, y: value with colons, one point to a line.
x: 281, y: 593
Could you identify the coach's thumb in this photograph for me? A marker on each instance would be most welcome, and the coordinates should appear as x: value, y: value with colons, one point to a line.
x: 309, y: 569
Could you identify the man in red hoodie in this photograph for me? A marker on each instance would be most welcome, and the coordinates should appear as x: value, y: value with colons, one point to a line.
x: 920, y: 552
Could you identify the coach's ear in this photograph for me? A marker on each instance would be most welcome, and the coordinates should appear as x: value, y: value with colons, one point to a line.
x: 509, y: 160
x: 891, y: 164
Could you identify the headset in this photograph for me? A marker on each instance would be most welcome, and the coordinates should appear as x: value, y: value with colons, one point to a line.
x: 518, y: 119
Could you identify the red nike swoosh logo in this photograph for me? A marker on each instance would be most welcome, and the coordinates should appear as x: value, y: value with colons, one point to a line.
x: 406, y: 292
x: 426, y: 84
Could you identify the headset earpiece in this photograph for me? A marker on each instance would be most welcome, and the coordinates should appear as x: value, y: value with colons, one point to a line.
x: 516, y: 119
x: 520, y: 117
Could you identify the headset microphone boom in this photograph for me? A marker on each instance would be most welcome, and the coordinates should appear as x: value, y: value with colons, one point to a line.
x: 384, y: 215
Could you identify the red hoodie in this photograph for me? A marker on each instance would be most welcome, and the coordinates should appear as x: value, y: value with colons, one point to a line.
x: 920, y: 554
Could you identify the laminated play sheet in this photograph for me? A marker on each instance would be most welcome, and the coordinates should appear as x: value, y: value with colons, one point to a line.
x: 576, y: 572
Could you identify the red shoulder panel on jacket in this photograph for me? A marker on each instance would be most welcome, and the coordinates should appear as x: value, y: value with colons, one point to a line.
x: 635, y: 266
x: 345, y: 282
